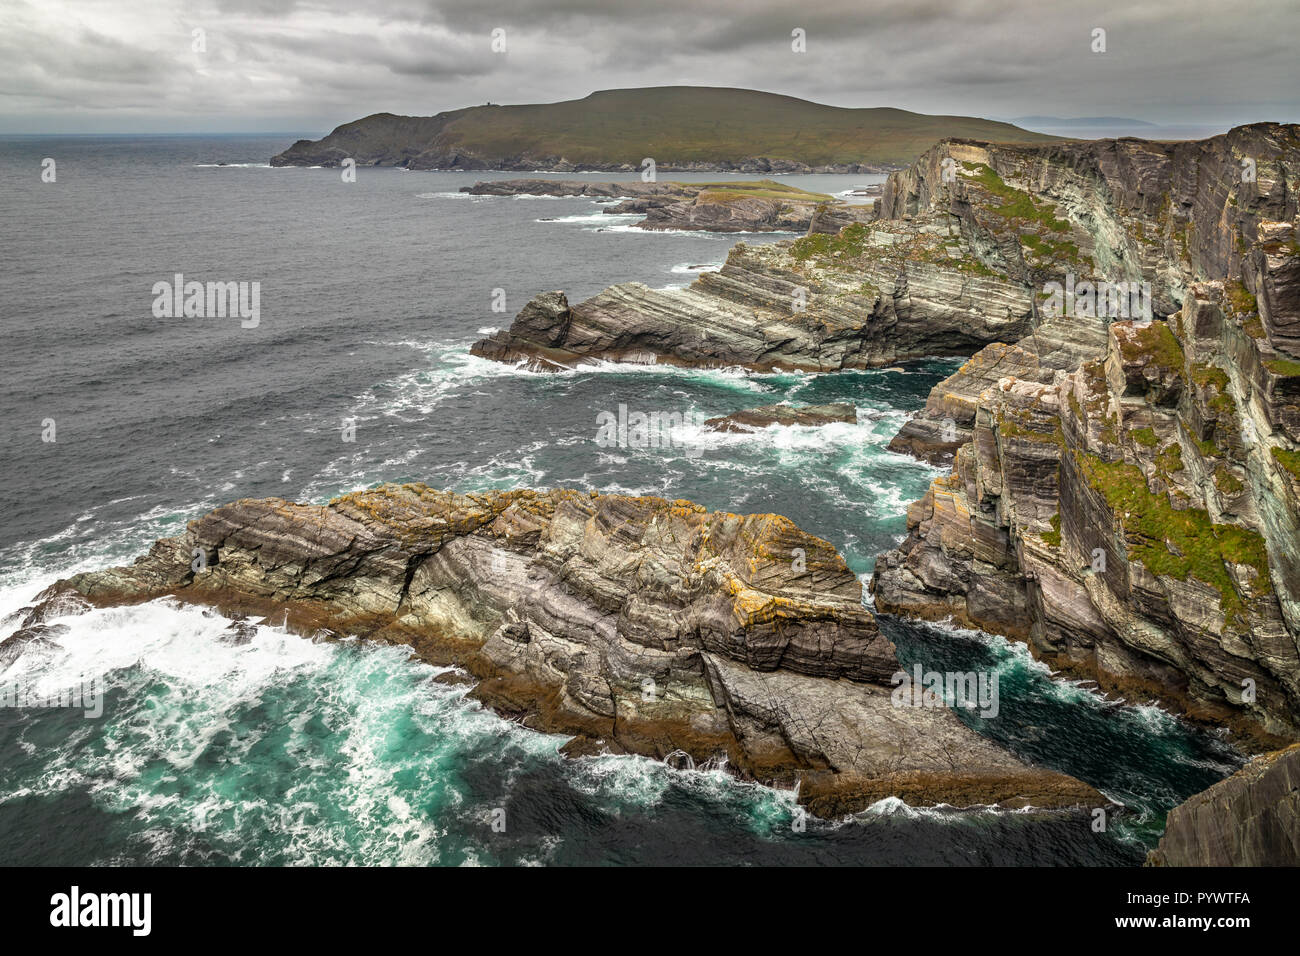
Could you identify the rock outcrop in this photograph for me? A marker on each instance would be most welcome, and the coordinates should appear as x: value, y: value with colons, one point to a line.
x: 873, y: 295
x: 750, y: 419
x: 741, y: 206
x: 593, y: 189
x: 1250, y: 819
x: 1124, y: 490
x: 829, y: 218
x: 633, y: 624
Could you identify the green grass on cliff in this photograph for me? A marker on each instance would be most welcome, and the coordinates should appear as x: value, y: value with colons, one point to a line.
x: 1226, y: 481
x: 1290, y: 460
x: 1179, y: 543
x: 1204, y: 374
x: 1287, y: 368
x: 1016, y: 203
x: 1240, y: 298
x: 850, y: 242
x: 681, y: 124
x: 1145, y: 437
x: 1153, y: 345
x: 853, y: 241
x: 1053, y: 537
x: 757, y: 189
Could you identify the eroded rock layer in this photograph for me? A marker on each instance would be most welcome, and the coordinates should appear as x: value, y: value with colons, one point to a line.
x: 633, y: 624
x: 1125, y: 493
x: 874, y: 294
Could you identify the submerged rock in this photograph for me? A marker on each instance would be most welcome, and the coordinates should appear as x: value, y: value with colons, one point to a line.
x: 751, y: 419
x: 35, y: 637
x: 635, y: 625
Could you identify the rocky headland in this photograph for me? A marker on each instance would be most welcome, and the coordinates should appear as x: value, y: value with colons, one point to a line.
x: 1124, y: 438
x: 871, y: 295
x: 740, y: 206
x: 1126, y: 487
x: 631, y: 624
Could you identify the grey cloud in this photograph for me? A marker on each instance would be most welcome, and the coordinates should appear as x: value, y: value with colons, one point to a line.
x: 1167, y: 61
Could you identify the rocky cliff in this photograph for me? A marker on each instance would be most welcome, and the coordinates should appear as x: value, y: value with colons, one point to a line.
x: 1125, y: 494
x: 1250, y: 819
x: 1126, y: 436
x: 631, y: 624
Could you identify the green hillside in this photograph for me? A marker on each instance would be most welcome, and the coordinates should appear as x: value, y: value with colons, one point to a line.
x: 674, y: 124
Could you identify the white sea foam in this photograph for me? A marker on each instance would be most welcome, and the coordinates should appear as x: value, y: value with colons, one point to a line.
x: 181, y: 691
x: 600, y: 219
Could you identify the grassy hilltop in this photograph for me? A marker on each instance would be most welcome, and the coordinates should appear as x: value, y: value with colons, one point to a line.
x: 673, y: 124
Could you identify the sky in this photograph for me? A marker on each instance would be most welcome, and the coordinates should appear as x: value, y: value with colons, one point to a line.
x: 306, y: 66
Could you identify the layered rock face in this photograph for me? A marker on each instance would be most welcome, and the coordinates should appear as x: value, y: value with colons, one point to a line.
x: 956, y: 257
x: 1126, y: 435
x: 633, y: 624
x: 1250, y: 819
x: 763, y: 206
x: 872, y: 295
x: 1126, y: 491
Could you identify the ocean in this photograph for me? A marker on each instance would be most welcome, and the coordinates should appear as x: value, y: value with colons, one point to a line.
x: 285, y: 751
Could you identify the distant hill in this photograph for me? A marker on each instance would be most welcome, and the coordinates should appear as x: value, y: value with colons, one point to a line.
x: 680, y: 127
x: 1059, y: 121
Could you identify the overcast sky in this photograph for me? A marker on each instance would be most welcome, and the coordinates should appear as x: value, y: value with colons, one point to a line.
x: 309, y: 65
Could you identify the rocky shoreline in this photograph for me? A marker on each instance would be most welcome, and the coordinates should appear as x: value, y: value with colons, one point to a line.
x: 1062, y: 424
x: 315, y: 153
x: 634, y: 625
x: 1129, y: 506
x: 740, y: 206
